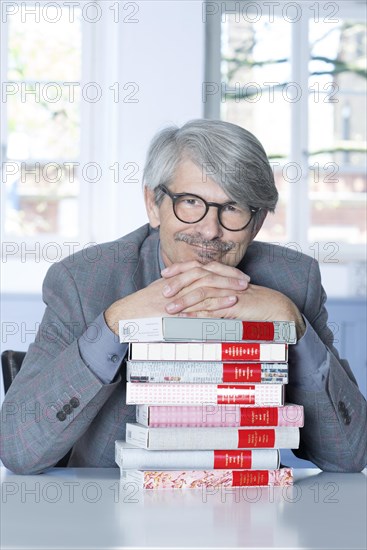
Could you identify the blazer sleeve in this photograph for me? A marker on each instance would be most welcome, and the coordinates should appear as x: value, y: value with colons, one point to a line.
x: 335, y: 429
x: 55, y: 396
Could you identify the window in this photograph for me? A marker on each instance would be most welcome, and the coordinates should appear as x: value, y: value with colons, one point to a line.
x: 41, y: 131
x: 295, y: 75
x: 61, y: 86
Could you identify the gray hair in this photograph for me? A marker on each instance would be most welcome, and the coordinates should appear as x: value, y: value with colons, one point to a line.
x: 230, y: 155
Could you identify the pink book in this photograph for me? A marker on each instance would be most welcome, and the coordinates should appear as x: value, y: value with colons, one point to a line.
x: 198, y: 394
x: 219, y: 416
x: 197, y: 479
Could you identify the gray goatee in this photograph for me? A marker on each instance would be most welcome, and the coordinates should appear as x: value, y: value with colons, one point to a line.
x: 209, y: 249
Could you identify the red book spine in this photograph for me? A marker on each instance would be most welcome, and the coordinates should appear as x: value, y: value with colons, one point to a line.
x: 263, y: 438
x: 235, y: 351
x: 236, y: 394
x: 233, y: 459
x: 242, y: 372
x: 259, y: 416
x: 250, y: 479
x: 257, y: 330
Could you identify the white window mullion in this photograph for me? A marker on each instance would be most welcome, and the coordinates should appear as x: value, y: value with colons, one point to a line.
x: 3, y: 119
x: 298, y: 212
x: 86, y: 135
x: 107, y: 61
x: 99, y: 127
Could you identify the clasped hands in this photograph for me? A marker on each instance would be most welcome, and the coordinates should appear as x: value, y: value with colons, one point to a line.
x: 192, y: 289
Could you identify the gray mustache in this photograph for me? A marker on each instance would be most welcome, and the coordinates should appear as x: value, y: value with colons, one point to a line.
x: 206, y: 245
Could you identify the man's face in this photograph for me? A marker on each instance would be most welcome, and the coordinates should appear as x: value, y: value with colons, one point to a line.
x: 205, y: 240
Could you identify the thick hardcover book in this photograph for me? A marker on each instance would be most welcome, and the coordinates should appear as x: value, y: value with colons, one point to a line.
x: 216, y: 416
x: 211, y: 438
x: 263, y: 395
x: 198, y: 479
x: 203, y: 372
x: 129, y: 457
x: 155, y: 329
x: 207, y: 351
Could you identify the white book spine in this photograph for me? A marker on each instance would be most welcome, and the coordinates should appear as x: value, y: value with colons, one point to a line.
x: 142, y: 414
x: 204, y: 351
x: 130, y: 458
x: 211, y: 438
x: 155, y: 329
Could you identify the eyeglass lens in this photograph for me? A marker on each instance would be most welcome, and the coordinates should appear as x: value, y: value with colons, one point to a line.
x: 192, y: 209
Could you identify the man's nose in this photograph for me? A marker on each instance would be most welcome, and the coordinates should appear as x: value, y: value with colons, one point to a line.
x: 209, y: 226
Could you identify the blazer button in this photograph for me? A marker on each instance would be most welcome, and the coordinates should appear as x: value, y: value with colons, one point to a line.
x: 114, y: 358
x: 347, y: 419
x: 67, y: 408
x: 61, y: 416
x: 74, y: 402
x: 341, y: 406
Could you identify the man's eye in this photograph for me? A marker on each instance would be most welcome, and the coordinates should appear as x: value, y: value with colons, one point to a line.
x: 189, y: 201
x: 231, y: 208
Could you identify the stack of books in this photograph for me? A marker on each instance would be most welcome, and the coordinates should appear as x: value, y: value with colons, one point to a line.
x: 210, y: 403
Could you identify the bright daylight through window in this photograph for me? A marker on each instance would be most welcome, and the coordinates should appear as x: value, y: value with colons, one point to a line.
x: 259, y: 92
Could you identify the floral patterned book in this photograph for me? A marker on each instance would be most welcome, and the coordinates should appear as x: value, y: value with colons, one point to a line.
x: 199, y: 479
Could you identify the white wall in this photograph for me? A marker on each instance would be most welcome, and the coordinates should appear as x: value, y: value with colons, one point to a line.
x: 164, y: 55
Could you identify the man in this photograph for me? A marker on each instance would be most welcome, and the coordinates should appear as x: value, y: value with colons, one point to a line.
x: 208, y: 187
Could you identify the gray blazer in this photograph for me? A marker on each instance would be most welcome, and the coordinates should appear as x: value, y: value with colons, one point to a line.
x: 77, y: 289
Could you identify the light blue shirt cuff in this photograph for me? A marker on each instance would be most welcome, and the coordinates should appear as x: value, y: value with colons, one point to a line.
x: 101, y: 350
x: 309, y: 362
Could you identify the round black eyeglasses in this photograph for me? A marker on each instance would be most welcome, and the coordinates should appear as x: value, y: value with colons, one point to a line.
x: 189, y: 208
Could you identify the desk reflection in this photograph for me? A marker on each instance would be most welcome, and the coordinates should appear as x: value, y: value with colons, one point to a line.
x: 92, y: 508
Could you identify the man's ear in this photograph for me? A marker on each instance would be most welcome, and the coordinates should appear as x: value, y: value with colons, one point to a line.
x: 259, y: 220
x: 151, y: 207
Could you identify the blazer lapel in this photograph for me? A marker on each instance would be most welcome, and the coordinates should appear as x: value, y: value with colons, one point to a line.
x: 148, y: 269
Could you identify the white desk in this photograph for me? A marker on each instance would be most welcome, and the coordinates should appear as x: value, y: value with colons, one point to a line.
x: 87, y: 508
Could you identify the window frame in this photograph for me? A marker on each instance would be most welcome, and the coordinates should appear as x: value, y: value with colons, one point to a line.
x: 299, y: 200
x: 98, y: 143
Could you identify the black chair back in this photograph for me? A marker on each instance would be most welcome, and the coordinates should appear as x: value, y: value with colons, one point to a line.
x: 11, y: 361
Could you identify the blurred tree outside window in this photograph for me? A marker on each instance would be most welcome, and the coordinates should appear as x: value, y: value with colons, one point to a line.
x: 41, y: 139
x: 257, y: 93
